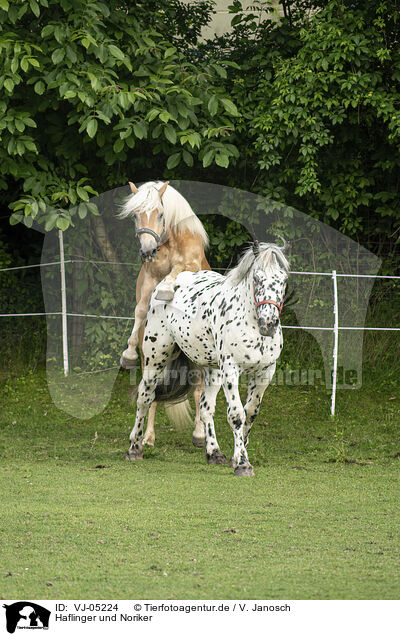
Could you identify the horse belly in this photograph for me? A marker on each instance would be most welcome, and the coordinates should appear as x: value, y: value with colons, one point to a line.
x: 193, y: 339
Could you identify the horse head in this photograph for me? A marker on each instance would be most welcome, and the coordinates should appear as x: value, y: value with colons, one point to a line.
x: 269, y: 282
x: 149, y: 218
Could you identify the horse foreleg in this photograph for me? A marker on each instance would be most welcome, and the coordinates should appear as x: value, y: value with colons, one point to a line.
x: 212, y: 384
x: 150, y: 435
x: 237, y: 419
x: 166, y: 288
x: 199, y: 435
x: 146, y: 395
x: 255, y: 392
x: 129, y: 357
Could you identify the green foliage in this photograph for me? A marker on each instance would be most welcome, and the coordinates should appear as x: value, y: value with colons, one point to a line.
x: 319, y: 93
x: 5, y: 258
x: 92, y: 92
x: 226, y: 237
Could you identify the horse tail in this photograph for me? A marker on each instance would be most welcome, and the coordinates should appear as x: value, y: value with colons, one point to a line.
x: 176, y: 385
x: 180, y: 414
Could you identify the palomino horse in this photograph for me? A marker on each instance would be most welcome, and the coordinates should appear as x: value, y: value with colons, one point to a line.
x: 228, y: 325
x: 172, y: 240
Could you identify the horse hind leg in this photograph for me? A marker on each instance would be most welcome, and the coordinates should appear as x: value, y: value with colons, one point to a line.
x: 146, y: 395
x: 150, y: 435
x: 157, y: 351
x: 199, y: 436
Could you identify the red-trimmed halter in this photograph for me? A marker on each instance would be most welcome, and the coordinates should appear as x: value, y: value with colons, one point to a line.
x: 267, y: 302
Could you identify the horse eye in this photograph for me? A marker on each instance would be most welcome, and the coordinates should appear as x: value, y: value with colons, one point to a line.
x: 160, y: 216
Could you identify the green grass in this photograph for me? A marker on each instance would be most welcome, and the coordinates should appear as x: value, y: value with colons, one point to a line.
x: 318, y: 521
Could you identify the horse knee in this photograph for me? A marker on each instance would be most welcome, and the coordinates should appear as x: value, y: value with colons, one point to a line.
x: 236, y: 418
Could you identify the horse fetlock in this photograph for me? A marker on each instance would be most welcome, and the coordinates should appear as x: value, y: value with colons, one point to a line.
x: 216, y: 457
x: 128, y: 363
x: 131, y: 352
x: 198, y: 441
x: 149, y: 440
x: 134, y: 453
x: 244, y: 470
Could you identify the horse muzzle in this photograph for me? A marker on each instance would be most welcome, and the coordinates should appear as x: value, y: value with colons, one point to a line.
x: 148, y: 255
x: 267, y: 328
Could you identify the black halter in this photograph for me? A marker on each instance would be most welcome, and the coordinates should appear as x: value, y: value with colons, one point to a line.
x: 147, y: 230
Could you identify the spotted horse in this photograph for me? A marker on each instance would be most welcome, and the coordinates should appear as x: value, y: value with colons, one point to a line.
x: 226, y: 325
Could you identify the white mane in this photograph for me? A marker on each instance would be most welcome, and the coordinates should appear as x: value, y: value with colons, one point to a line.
x: 179, y: 216
x: 270, y: 259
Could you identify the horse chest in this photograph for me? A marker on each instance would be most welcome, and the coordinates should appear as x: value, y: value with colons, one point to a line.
x: 247, y: 347
x: 162, y: 265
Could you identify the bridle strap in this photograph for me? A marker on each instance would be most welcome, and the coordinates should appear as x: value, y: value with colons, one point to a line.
x: 147, y: 230
x: 270, y: 302
x: 267, y: 302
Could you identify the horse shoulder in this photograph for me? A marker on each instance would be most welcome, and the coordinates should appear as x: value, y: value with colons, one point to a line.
x: 188, y: 251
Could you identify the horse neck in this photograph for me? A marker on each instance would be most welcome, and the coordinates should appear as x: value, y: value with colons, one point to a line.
x: 246, y: 298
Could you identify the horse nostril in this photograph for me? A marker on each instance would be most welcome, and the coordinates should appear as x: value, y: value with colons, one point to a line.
x: 272, y: 327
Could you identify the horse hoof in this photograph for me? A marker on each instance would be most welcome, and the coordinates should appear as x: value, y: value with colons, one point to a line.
x: 232, y: 462
x: 198, y: 441
x: 164, y: 294
x: 133, y: 455
x: 244, y: 470
x: 148, y: 442
x: 127, y: 363
x: 216, y: 457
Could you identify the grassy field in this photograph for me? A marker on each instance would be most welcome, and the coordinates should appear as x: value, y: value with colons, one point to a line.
x: 318, y: 521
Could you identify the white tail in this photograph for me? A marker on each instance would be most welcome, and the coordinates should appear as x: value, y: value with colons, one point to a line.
x: 180, y: 413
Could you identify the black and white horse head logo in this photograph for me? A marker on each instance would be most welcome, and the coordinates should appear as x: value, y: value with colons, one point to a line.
x: 26, y: 615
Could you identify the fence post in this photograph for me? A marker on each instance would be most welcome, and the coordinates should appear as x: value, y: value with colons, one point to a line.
x: 63, y: 304
x: 335, y: 340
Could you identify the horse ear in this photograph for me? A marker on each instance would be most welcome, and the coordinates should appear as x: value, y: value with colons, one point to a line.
x: 133, y: 187
x: 162, y: 189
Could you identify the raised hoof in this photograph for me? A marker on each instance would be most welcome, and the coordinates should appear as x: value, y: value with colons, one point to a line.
x: 133, y: 455
x: 244, y: 470
x: 216, y: 457
x: 198, y: 441
x: 148, y: 442
x: 164, y: 294
x: 127, y: 363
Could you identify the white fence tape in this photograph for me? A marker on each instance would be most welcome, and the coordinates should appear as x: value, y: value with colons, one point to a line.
x: 65, y: 314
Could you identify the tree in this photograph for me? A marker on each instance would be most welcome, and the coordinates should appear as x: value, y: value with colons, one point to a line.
x: 319, y: 95
x: 94, y: 94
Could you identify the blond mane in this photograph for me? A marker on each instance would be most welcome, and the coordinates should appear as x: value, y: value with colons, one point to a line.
x: 179, y: 216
